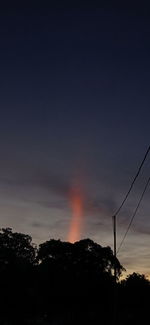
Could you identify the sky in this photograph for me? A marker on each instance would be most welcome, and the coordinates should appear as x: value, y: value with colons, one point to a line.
x: 74, y: 124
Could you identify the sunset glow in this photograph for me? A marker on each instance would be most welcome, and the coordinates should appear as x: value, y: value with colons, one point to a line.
x: 76, y: 201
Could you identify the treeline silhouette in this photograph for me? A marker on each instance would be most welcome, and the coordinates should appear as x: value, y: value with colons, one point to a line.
x: 64, y: 283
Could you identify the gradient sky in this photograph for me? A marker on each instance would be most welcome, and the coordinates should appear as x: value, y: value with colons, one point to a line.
x: 74, y: 117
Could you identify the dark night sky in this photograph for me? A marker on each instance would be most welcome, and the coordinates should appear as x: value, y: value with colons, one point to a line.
x: 74, y: 112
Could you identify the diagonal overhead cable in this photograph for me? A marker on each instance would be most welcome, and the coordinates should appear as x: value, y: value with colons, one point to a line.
x: 134, y: 214
x: 136, y: 176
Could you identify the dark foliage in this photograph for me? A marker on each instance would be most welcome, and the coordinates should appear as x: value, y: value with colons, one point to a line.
x: 64, y: 283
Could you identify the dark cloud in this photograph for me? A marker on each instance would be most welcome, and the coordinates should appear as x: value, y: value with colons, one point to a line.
x: 37, y: 225
x: 59, y: 204
x: 51, y: 182
x: 101, y: 205
x: 142, y: 229
x: 61, y: 188
x: 37, y: 178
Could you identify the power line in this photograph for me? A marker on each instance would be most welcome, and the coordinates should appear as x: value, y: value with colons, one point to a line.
x: 136, y: 176
x: 134, y: 214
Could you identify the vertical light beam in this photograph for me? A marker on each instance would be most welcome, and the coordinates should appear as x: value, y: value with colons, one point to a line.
x: 76, y: 201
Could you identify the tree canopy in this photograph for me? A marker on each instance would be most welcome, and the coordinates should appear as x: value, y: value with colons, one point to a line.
x: 15, y: 248
x: 84, y: 256
x: 62, y: 283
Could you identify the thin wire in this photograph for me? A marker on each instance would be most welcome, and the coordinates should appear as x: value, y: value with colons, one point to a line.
x: 136, y: 176
x: 134, y: 214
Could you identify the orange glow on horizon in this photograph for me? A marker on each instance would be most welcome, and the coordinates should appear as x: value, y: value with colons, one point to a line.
x: 76, y: 201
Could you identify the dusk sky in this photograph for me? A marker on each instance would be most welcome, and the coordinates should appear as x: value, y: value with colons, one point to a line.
x: 74, y: 124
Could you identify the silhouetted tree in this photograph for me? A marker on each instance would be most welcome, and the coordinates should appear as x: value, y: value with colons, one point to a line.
x: 84, y: 255
x: 15, y: 248
x: 136, y: 280
x: 96, y: 258
x: 17, y: 259
x: 134, y: 304
x: 65, y: 283
x: 75, y: 274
